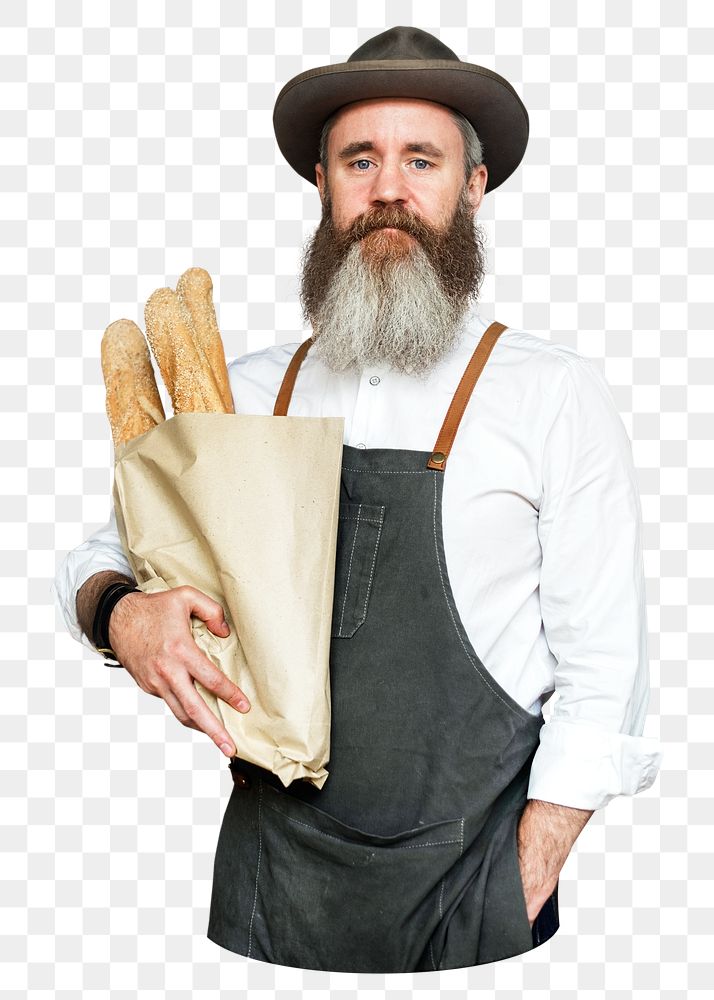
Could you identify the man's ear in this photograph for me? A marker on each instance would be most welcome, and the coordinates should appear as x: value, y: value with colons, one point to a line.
x: 321, y: 180
x: 477, y: 186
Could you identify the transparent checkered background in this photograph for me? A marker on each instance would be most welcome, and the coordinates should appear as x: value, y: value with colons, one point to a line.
x: 136, y: 141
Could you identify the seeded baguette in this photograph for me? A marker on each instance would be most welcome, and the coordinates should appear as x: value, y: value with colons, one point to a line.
x: 188, y: 378
x: 133, y: 402
x: 195, y: 289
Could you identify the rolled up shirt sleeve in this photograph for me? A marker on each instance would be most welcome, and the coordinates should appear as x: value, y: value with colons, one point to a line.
x: 101, y: 551
x: 593, y: 607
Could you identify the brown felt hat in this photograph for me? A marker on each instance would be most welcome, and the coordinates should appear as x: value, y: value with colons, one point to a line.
x: 403, y: 62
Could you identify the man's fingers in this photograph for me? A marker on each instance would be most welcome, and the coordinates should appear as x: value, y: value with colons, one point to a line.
x: 204, y: 607
x: 216, y: 682
x: 177, y: 708
x: 191, y: 710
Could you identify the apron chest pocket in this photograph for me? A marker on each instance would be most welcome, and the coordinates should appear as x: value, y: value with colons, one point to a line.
x: 358, y: 534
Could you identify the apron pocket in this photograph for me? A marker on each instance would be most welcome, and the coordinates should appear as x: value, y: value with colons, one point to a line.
x: 331, y: 897
x: 358, y: 533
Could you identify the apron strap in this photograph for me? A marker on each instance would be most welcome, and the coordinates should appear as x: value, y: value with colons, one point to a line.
x: 445, y: 440
x: 288, y: 384
x: 440, y: 453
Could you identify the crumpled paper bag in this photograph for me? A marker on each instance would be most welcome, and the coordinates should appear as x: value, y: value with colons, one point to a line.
x: 245, y: 508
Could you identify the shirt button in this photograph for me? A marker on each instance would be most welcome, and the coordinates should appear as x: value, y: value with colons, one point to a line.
x: 360, y: 445
x: 374, y: 380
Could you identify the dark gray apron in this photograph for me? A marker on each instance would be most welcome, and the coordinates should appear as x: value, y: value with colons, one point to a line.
x: 406, y: 860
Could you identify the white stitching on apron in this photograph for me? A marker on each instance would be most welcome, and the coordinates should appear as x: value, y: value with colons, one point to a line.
x: 473, y: 663
x: 388, y: 472
x: 257, y: 871
x: 374, y: 560
x: 441, y: 898
x: 441, y: 916
x: 361, y: 520
x: 342, y: 840
x: 349, y: 570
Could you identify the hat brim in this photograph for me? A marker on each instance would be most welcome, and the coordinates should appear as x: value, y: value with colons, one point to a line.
x: 488, y: 101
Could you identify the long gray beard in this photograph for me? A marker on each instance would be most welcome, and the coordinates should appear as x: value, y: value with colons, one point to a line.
x: 396, y: 314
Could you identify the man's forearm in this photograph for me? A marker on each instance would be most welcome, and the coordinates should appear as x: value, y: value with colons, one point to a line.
x: 546, y: 834
x: 89, y: 593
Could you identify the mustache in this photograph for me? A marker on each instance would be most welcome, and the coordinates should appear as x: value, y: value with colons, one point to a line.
x: 389, y: 217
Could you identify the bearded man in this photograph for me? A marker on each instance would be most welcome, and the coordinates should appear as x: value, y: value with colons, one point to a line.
x: 463, y: 601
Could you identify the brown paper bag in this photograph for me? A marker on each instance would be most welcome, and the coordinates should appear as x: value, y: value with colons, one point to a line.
x: 245, y: 508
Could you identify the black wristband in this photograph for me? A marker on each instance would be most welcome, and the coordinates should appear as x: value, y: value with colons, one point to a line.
x: 100, y: 627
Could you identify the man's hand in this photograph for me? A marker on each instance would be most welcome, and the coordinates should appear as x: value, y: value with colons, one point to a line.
x: 546, y: 834
x: 151, y: 635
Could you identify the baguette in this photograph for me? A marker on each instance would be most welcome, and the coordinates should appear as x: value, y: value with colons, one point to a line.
x: 190, y: 382
x: 195, y: 289
x: 133, y: 402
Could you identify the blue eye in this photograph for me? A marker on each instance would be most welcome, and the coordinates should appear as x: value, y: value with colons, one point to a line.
x: 364, y: 162
x: 424, y: 162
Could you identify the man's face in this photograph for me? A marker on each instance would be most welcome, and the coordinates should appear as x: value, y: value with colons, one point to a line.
x: 397, y: 151
x: 397, y: 257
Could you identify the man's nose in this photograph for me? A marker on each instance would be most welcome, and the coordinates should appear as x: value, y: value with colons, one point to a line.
x: 390, y: 185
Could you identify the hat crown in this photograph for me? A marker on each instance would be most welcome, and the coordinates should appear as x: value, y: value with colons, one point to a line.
x: 403, y: 62
x: 402, y: 42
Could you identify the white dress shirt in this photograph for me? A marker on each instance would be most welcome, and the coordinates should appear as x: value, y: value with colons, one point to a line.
x: 542, y: 534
